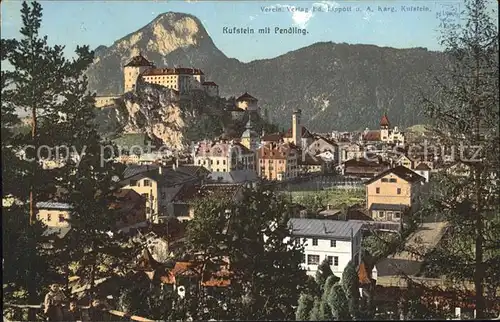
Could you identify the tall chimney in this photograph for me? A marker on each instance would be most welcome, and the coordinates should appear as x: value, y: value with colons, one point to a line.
x: 296, y: 128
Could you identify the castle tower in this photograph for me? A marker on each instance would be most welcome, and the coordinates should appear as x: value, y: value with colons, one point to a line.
x: 247, y: 102
x: 296, y: 128
x: 250, y: 138
x: 384, y: 128
x: 132, y: 70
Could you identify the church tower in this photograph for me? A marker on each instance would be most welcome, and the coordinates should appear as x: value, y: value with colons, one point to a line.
x: 250, y: 138
x: 385, y: 125
x: 132, y: 70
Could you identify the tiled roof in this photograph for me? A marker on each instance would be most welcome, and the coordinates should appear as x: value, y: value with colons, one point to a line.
x: 274, y: 137
x: 172, y: 71
x: 215, y: 279
x: 193, y: 170
x: 363, y: 274
x: 309, y: 160
x: 219, y: 149
x: 305, y: 133
x: 324, y: 228
x: 385, y: 121
x: 372, y: 136
x: 275, y: 151
x: 246, y: 97
x: 53, y: 205
x: 423, y: 167
x: 402, y: 172
x: 388, y: 207
x: 139, y: 61
x: 209, y: 83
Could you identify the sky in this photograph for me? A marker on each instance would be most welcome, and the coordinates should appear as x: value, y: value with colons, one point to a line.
x: 95, y: 23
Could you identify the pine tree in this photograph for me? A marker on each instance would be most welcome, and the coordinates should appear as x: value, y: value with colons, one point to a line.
x: 54, y: 90
x: 267, y: 278
x: 350, y: 284
x: 338, y: 302
x: 306, y: 303
x: 466, y: 117
x: 323, y: 273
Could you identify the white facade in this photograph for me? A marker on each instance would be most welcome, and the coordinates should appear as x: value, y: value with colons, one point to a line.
x: 339, y: 252
x: 424, y: 173
x: 336, y: 241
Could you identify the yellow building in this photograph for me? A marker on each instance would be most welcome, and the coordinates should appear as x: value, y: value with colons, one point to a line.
x: 247, y: 102
x: 158, y: 186
x: 250, y: 139
x: 56, y: 216
x: 223, y: 156
x: 182, y: 80
x: 278, y: 161
x: 133, y: 69
x: 393, y: 192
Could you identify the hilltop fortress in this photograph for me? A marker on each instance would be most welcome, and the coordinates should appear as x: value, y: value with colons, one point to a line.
x: 181, y: 80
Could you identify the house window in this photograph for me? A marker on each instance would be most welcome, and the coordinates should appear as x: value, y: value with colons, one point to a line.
x: 49, y: 217
x: 333, y: 243
x: 397, y: 215
x: 217, y: 162
x: 61, y: 217
x: 335, y: 261
x: 393, y: 180
x: 315, y: 242
x: 312, y: 259
x: 330, y: 260
x: 145, y: 195
x: 224, y: 162
x: 148, y: 210
x: 385, y: 180
x: 399, y: 191
x: 147, y: 183
x: 133, y: 183
x: 377, y: 190
x: 381, y: 214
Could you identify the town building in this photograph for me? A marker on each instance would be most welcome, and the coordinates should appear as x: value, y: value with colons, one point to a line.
x: 158, y: 185
x: 223, y: 156
x: 404, y: 161
x: 394, y: 192
x: 362, y: 168
x: 247, y: 102
x: 185, y: 200
x: 424, y: 170
x: 324, y: 148
x: 250, y: 139
x: 348, y: 150
x: 56, y: 216
x: 104, y: 101
x: 298, y: 134
x: 182, y: 80
x: 308, y: 164
x: 386, y: 134
x: 336, y: 241
x: 278, y: 161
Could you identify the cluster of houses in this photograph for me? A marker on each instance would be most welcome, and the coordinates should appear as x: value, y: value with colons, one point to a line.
x: 153, y: 190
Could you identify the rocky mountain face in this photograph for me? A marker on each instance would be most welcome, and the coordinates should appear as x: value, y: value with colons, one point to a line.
x: 337, y: 86
x: 160, y: 113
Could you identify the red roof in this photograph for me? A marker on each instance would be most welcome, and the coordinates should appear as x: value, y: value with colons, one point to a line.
x: 372, y: 136
x: 139, y: 61
x: 172, y: 71
x: 385, y: 121
x: 246, y: 97
x: 273, y: 137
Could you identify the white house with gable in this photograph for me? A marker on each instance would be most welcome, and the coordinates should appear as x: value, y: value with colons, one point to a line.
x: 337, y: 241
